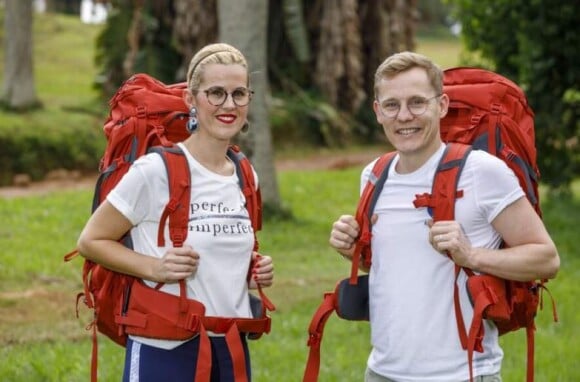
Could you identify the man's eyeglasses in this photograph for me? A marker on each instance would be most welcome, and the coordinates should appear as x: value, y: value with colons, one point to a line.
x: 416, y: 105
x: 217, y: 95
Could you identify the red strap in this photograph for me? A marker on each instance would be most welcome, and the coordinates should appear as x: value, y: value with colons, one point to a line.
x: 444, y: 192
x: 315, y: 332
x: 69, y: 256
x: 249, y: 188
x: 266, y: 303
x: 530, y: 329
x: 237, y: 353
x: 94, y: 354
x: 203, y: 367
x: 364, y: 212
x: 458, y: 315
x: 492, y: 126
x: 476, y: 331
x: 177, y: 209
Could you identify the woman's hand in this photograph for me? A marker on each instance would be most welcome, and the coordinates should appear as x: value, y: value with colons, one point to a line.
x: 176, y: 264
x: 262, y: 272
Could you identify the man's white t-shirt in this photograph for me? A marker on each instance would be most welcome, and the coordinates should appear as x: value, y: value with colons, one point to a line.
x: 413, y: 326
x: 220, y: 230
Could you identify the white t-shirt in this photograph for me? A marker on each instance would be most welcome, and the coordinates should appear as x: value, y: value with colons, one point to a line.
x: 413, y: 326
x: 220, y: 231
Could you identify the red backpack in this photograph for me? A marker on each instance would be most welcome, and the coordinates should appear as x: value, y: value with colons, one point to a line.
x: 149, y: 116
x: 486, y: 112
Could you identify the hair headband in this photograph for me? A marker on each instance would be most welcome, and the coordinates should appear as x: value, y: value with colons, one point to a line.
x: 206, y: 56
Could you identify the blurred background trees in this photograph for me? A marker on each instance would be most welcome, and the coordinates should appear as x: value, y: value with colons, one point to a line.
x: 322, y: 54
x: 534, y: 43
x: 320, y: 57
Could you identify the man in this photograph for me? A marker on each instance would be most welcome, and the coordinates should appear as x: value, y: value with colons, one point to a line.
x: 413, y: 326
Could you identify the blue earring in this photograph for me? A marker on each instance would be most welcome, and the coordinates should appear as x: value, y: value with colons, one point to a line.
x: 191, y: 125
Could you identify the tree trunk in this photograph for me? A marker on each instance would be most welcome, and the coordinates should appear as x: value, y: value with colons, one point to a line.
x: 339, y: 63
x: 243, y: 23
x: 194, y: 26
x: 18, y: 90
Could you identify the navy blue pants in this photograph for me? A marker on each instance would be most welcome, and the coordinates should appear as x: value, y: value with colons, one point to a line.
x: 149, y: 364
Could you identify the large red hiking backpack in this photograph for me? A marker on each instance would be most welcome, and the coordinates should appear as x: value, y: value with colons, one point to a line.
x: 486, y: 112
x: 149, y: 116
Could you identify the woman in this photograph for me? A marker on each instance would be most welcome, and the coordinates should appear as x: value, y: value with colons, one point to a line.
x: 218, y: 251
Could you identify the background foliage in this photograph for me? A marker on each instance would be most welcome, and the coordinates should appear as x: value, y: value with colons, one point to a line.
x: 66, y: 133
x: 316, y: 101
x: 534, y: 43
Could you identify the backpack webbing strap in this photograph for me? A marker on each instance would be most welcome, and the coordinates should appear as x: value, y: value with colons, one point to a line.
x: 251, y: 191
x: 177, y: 208
x: 364, y: 212
x: 248, y: 186
x: 315, y: 332
x: 440, y: 202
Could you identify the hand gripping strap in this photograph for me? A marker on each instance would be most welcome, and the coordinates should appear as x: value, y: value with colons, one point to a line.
x: 364, y: 212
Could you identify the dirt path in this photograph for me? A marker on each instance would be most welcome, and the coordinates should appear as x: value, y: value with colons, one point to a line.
x: 64, y: 180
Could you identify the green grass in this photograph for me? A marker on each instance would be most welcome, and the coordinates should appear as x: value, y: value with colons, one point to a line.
x: 43, y: 341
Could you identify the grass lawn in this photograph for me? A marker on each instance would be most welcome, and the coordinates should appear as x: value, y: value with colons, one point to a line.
x: 43, y: 341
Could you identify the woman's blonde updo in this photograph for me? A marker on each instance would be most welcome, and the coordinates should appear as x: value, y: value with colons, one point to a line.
x: 219, y: 53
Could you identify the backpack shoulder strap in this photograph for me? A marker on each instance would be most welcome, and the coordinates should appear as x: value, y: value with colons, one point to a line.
x: 248, y: 186
x: 364, y: 211
x: 251, y: 191
x: 441, y: 201
x: 177, y: 208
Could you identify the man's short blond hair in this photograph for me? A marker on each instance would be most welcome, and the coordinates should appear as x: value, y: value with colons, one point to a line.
x: 403, y: 61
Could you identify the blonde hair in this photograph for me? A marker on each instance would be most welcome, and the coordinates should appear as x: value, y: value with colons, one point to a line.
x: 403, y: 61
x: 218, y: 53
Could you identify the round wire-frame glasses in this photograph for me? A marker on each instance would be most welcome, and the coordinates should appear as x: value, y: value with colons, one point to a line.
x: 417, y: 106
x: 217, y: 95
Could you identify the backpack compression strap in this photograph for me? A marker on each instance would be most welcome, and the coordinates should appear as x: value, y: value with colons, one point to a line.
x: 364, y: 212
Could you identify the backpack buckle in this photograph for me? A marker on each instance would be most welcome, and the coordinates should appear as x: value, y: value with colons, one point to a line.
x: 192, y: 323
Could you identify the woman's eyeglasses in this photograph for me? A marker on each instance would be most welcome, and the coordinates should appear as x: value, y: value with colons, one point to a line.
x: 217, y: 96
